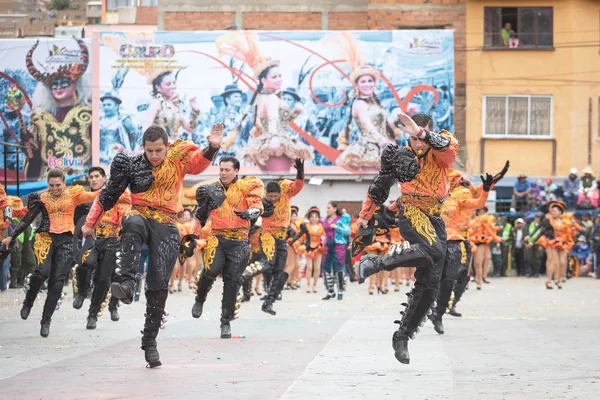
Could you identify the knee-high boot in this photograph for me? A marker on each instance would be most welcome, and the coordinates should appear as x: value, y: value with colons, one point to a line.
x: 52, y: 302
x: 33, y: 284
x: 274, y: 292
x: 229, y: 307
x: 113, y: 305
x: 126, y: 274
x: 155, y: 313
x: 419, y: 303
x: 81, y: 284
x: 99, y: 299
x: 398, y: 256
x: 329, y: 281
x: 443, y: 304
x: 203, y: 285
x: 252, y: 270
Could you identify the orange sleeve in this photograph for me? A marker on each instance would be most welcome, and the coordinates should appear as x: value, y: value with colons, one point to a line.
x: 292, y: 188
x: 447, y: 155
x: 475, y: 203
x: 80, y: 196
x: 124, y: 204
x: 255, y: 194
x: 193, y: 159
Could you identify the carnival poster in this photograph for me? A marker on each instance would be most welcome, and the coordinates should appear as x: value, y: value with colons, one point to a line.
x: 330, y: 98
x: 45, y: 94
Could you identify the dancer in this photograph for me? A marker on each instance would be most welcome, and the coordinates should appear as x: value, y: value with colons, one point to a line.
x: 422, y: 170
x: 82, y: 277
x: 313, y: 232
x: 553, y: 235
x: 156, y: 180
x: 231, y: 203
x: 274, y: 232
x: 102, y: 259
x: 292, y: 265
x: 273, y: 148
x: 53, y: 241
x: 456, y: 213
x: 483, y: 233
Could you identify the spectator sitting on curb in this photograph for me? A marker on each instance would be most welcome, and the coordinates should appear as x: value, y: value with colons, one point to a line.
x: 587, y: 196
x: 549, y: 191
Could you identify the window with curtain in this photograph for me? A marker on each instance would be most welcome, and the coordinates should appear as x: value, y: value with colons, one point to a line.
x: 518, y: 116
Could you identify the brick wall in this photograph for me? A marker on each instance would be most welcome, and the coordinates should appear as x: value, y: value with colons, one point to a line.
x: 146, y: 16
x: 340, y: 21
x: 192, y: 21
x: 280, y: 20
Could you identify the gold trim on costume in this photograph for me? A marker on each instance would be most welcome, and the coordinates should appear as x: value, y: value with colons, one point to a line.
x: 152, y: 213
x: 107, y: 230
x: 233, y: 234
x: 210, y: 251
x: 427, y: 204
x: 421, y: 223
x: 85, y: 256
x: 267, y: 242
x: 41, y: 248
x: 463, y: 253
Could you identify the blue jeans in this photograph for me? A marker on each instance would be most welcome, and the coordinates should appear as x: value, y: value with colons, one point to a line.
x: 4, y: 274
x: 571, y: 200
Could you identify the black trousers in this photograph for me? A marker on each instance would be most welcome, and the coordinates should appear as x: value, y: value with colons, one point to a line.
x: 104, y: 258
x: 54, y: 256
x: 163, y: 249
x: 452, y: 264
x: 275, y: 267
x: 520, y: 261
x: 228, y: 257
x: 462, y: 279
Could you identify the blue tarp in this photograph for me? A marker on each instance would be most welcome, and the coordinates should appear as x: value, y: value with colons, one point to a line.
x: 29, y: 187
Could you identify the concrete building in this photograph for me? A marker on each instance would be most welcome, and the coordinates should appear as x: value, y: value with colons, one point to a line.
x: 538, y: 101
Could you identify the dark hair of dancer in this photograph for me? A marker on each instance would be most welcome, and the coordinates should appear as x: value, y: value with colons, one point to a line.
x: 423, y: 120
x: 259, y: 89
x: 273, y: 187
x: 56, y: 173
x: 338, y: 211
x: 155, y: 133
x: 158, y: 80
x: 231, y: 159
x: 99, y: 170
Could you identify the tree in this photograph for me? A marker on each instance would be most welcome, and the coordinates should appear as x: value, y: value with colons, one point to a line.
x: 59, y: 5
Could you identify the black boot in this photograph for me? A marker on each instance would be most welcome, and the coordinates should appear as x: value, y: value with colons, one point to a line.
x: 453, y: 311
x: 99, y: 299
x: 249, y: 273
x: 438, y: 326
x: 34, y: 284
x: 14, y: 284
x: 204, y: 285
x: 329, y: 281
x: 113, y: 305
x: 274, y: 292
x: 52, y: 303
x: 443, y: 304
x: 398, y: 256
x: 126, y: 274
x: 229, y: 307
x: 155, y: 312
x: 81, y: 285
x: 413, y: 316
x: 341, y: 284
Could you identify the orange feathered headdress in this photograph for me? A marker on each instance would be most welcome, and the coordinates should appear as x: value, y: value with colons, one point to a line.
x: 243, y: 45
x: 348, y: 48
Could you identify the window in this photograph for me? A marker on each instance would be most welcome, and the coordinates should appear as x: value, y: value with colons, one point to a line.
x: 517, y: 116
x: 530, y: 27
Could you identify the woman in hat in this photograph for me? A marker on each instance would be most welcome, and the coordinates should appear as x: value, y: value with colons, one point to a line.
x: 165, y: 108
x: 233, y: 98
x: 375, y: 130
x: 588, y: 195
x: 61, y: 119
x: 273, y: 148
x: 553, y: 234
x: 313, y: 233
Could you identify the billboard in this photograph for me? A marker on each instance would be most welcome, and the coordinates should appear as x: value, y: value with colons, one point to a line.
x: 329, y: 98
x: 45, y: 95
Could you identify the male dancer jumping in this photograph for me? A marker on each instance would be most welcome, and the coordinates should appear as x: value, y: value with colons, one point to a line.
x: 231, y: 203
x: 156, y: 180
x: 418, y: 218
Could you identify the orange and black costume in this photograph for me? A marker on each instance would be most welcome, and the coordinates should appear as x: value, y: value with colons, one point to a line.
x: 424, y: 186
x: 53, y: 248
x: 100, y: 257
x: 155, y: 204
x: 231, y: 209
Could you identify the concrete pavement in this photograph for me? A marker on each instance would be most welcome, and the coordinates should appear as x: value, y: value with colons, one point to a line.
x: 516, y: 340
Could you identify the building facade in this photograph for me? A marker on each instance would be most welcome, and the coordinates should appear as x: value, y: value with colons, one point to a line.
x: 533, y: 92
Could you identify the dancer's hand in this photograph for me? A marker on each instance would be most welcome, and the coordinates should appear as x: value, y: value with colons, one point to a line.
x: 501, y: 174
x: 464, y: 182
x: 299, y: 165
x: 488, y: 182
x: 410, y: 127
x: 87, y: 231
x: 361, y: 222
x: 216, y: 136
x: 249, y: 214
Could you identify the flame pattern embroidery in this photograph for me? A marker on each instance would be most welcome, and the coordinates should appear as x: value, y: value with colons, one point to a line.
x: 421, y: 223
x: 210, y: 251
x: 41, y: 248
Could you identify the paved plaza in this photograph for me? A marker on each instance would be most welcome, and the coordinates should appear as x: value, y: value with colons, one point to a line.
x: 516, y: 340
